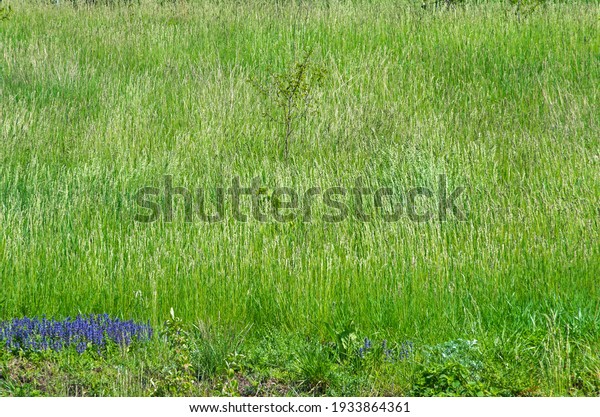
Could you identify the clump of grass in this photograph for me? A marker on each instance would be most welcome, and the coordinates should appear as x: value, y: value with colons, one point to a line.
x: 314, y: 369
x: 213, y: 349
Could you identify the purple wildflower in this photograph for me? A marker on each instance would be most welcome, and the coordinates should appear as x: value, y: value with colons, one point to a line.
x: 39, y: 334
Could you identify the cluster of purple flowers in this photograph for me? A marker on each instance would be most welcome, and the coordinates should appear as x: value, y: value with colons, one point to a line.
x: 365, y: 348
x: 82, y: 332
x: 401, y: 352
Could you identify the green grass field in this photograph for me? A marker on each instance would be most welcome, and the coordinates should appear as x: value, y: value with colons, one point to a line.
x: 98, y: 101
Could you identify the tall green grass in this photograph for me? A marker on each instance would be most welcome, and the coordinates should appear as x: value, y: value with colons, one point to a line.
x: 96, y: 102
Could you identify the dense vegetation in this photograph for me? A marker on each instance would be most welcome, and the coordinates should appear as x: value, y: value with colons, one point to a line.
x: 98, y: 100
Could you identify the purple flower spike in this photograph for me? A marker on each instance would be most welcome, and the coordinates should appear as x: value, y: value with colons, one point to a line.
x: 39, y: 334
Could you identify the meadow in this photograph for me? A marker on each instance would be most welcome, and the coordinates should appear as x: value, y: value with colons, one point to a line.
x: 100, y: 100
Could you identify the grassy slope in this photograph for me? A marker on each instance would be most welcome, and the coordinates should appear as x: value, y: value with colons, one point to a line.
x: 95, y: 103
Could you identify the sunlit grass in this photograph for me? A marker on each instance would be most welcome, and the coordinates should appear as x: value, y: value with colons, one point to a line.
x: 96, y: 102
